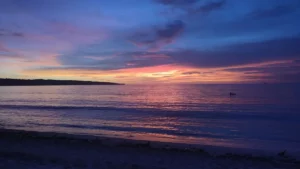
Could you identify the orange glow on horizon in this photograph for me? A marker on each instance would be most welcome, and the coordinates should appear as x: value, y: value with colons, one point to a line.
x: 156, y: 74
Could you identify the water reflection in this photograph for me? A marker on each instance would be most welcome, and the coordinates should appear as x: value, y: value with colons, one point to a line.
x: 167, y: 97
x: 194, y: 114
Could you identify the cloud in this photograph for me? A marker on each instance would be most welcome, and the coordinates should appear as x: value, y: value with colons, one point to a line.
x: 276, y: 11
x: 209, y: 7
x: 151, y: 55
x: 86, y: 59
x: 267, y: 67
x: 231, y: 55
x: 196, y: 73
x: 176, y: 2
x: 255, y: 52
x: 287, y: 71
x: 8, y: 53
x: 191, y: 73
x: 3, y: 48
x: 5, y: 32
x: 194, y: 6
x: 158, y: 37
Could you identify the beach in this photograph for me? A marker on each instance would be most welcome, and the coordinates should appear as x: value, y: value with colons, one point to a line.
x: 21, y: 149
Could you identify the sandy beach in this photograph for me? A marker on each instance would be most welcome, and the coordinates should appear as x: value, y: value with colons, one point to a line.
x: 34, y: 150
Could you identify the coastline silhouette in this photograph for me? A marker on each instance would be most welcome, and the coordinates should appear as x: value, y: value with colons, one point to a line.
x: 48, y: 82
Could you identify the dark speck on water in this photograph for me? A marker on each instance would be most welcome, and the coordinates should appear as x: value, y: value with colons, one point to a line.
x: 232, y: 94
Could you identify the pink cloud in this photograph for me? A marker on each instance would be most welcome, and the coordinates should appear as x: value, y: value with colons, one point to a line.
x: 3, y: 48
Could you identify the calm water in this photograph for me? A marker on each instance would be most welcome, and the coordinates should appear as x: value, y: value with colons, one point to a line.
x: 260, y: 116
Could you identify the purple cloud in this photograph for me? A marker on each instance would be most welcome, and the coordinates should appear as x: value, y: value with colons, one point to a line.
x: 5, y: 32
x: 231, y: 55
x: 3, y: 48
x: 287, y: 72
x: 255, y: 52
x: 8, y: 53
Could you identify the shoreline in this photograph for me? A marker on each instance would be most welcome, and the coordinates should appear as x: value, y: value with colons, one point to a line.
x: 54, y: 145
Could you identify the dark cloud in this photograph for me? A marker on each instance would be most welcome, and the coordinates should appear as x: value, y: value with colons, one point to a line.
x: 280, y: 72
x: 233, y: 55
x: 177, y: 2
x: 196, y: 73
x: 171, y: 30
x: 209, y: 7
x: 191, y: 73
x: 5, y: 32
x: 276, y: 11
x: 258, y: 24
x: 256, y: 52
x: 158, y: 37
x: 194, y: 6
x: 252, y: 20
x: 17, y: 34
x: 275, y: 68
x: 121, y: 77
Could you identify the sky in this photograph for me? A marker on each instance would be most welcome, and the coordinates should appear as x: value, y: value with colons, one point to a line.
x: 151, y: 41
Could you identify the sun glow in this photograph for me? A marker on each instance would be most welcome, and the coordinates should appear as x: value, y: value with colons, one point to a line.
x: 162, y: 74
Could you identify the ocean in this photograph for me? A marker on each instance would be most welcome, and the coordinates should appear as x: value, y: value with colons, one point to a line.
x: 260, y: 116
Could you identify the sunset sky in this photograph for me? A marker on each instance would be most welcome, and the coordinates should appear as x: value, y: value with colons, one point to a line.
x: 151, y: 41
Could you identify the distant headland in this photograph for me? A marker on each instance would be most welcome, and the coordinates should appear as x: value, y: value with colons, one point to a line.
x: 48, y: 82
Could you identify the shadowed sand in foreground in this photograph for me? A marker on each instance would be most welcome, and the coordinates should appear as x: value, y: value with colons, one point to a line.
x: 22, y: 149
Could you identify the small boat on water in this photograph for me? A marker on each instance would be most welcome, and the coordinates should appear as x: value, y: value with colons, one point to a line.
x: 232, y: 94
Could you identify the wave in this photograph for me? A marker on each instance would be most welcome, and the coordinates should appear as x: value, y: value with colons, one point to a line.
x: 166, y: 113
x: 144, y: 130
x: 135, y: 130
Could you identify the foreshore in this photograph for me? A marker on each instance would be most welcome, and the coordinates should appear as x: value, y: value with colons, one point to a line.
x: 29, y: 149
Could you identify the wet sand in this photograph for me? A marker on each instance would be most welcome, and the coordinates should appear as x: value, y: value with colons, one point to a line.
x: 26, y: 150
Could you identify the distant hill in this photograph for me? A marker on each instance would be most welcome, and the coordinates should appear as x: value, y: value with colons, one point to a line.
x: 42, y: 82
